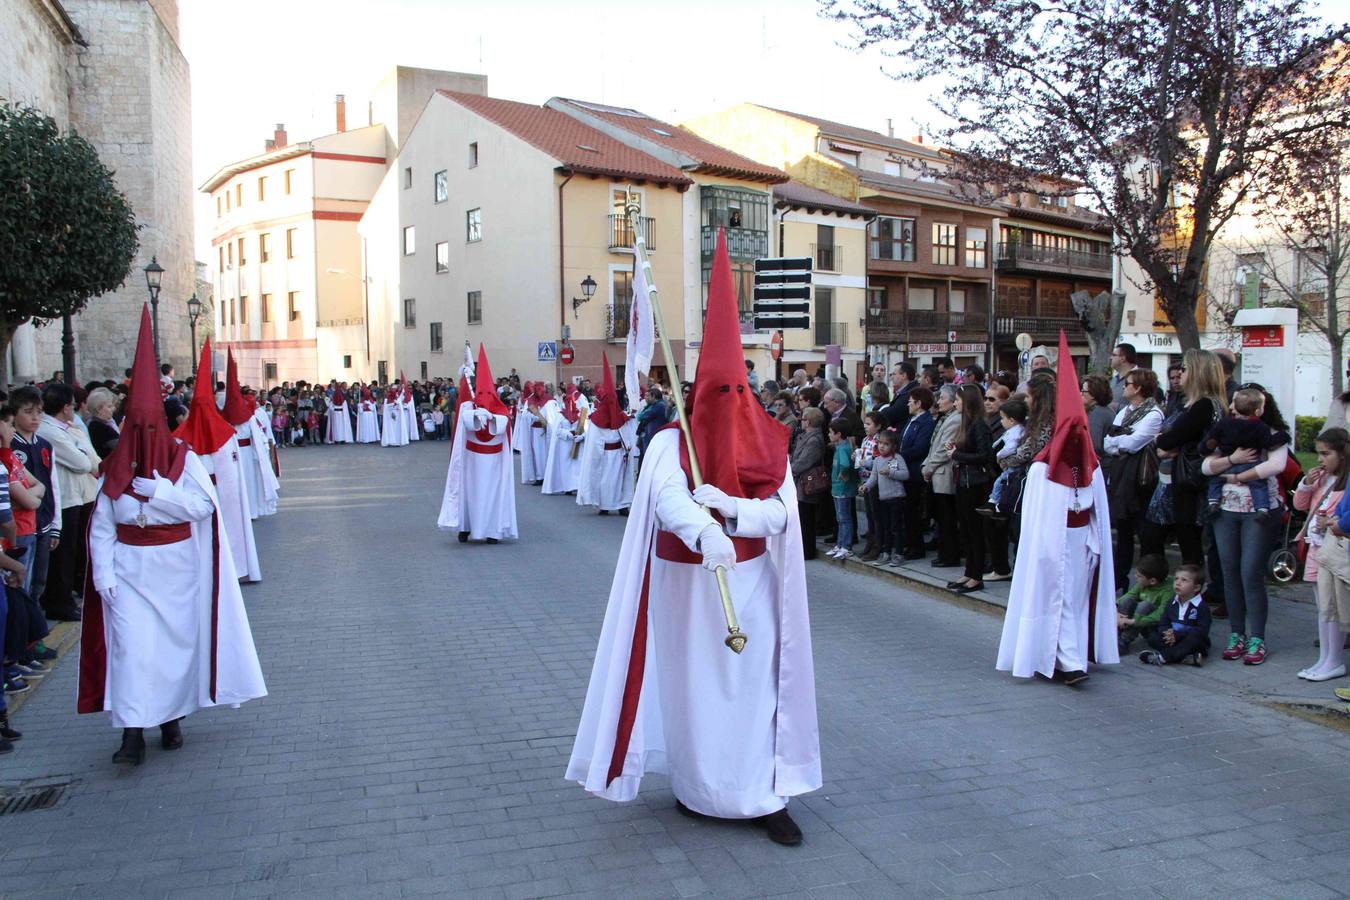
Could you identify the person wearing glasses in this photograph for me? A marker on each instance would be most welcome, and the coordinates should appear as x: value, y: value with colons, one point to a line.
x: 1130, y: 436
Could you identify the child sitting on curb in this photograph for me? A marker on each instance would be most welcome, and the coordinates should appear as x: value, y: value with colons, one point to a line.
x: 1139, y: 609
x: 1182, y: 634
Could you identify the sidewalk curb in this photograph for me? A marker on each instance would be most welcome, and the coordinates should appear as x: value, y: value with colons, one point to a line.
x: 63, y: 638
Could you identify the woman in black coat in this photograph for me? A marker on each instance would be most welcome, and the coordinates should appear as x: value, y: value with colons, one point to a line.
x: 973, y: 454
x: 103, y: 433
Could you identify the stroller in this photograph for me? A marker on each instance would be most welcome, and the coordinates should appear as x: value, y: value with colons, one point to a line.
x: 1286, y: 560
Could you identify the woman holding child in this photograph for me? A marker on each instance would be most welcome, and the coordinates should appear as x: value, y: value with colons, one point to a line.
x: 1328, y: 562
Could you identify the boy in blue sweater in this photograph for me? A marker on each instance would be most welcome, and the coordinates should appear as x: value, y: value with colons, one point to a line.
x: 1182, y: 633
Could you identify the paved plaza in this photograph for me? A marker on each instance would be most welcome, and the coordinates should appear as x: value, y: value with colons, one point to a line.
x: 424, y: 695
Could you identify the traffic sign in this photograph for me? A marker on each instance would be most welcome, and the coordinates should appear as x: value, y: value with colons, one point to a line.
x: 782, y: 292
x: 565, y: 356
x: 764, y: 323
x: 776, y: 346
x: 783, y: 264
x: 548, y: 351
x: 951, y: 337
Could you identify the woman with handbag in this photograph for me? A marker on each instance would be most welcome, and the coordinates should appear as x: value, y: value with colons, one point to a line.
x: 1129, y: 463
x: 810, y: 474
x: 972, y: 452
x: 1319, y: 493
x: 1176, y: 503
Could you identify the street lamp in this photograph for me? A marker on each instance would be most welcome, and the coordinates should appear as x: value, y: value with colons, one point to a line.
x: 154, y: 274
x: 194, y: 313
x: 587, y: 292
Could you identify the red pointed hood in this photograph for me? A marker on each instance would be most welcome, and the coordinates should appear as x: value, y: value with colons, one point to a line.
x: 485, y: 393
x: 237, y: 410
x: 1069, y: 454
x: 740, y: 449
x: 570, y: 411
x: 205, y: 430
x: 366, y: 395
x: 407, y: 392
x: 146, y: 446
x: 607, y: 413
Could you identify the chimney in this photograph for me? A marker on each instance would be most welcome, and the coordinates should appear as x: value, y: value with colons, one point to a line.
x: 269, y: 145
x: 341, y: 113
x: 918, y: 138
x: 280, y: 136
x: 890, y: 129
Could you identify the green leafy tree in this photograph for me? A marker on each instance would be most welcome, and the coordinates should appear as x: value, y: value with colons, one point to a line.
x: 67, y: 234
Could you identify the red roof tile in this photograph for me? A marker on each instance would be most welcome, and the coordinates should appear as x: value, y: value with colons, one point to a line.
x: 572, y: 143
x: 709, y: 156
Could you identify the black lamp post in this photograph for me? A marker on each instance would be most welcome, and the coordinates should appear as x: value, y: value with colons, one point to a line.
x: 587, y: 292
x: 154, y: 274
x: 194, y: 313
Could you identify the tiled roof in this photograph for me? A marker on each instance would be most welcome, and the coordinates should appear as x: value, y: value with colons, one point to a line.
x: 572, y: 143
x: 710, y: 157
x: 852, y: 133
x: 794, y: 193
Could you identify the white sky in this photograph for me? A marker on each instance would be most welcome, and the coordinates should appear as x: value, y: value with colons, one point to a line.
x: 257, y: 63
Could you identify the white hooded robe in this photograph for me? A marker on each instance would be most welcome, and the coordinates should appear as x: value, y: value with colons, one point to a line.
x: 367, y: 423
x: 480, y: 490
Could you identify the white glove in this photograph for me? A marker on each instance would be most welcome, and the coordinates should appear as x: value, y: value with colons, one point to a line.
x: 109, y: 595
x: 718, y: 551
x: 713, y: 497
x: 146, y: 487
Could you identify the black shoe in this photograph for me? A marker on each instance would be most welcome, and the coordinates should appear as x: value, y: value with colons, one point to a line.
x: 5, y: 746
x: 604, y: 512
x: 492, y: 541
x: 781, y: 828
x: 686, y: 811
x: 1071, y: 678
x: 967, y: 588
x: 7, y: 733
x: 171, y: 735
x: 463, y: 537
x: 132, y: 751
x: 953, y: 585
x: 624, y: 512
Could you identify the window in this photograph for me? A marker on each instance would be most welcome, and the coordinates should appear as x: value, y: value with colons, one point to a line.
x: 892, y: 239
x: 231, y: 310
x: 266, y: 307
x: 409, y: 240
x: 292, y: 306
x: 824, y: 316
x: 442, y: 179
x: 347, y: 361
x: 218, y: 206
x: 222, y: 314
x: 290, y: 173
x: 475, y: 307
x: 473, y: 225
x: 825, y: 250
x: 956, y: 300
x: 409, y: 312
x: 227, y: 200
x: 1062, y: 202
x: 290, y: 243
x: 239, y: 194
x: 424, y: 370
x: 264, y: 247
x: 242, y: 261
x: 473, y: 155
x: 220, y: 264
x: 269, y: 371
x: 382, y: 370
x: 262, y: 187
x: 229, y: 254
x: 891, y: 167
x: 977, y: 248
x: 442, y: 256
x: 921, y: 298
x: 243, y: 310
x: 620, y: 301
x: 435, y: 339
x: 944, y: 244
x: 407, y: 178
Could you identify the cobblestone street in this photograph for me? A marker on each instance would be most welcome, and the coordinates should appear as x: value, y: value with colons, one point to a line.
x: 424, y: 696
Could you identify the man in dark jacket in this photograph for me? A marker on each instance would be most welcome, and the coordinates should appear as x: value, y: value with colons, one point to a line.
x: 914, y: 443
x: 903, y: 383
x: 652, y: 419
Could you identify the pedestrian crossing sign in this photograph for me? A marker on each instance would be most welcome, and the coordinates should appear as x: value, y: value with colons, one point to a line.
x: 548, y: 351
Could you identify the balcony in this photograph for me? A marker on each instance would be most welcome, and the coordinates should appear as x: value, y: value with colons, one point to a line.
x: 827, y: 257
x: 827, y: 333
x: 1042, y: 329
x: 617, y: 316
x: 1017, y: 255
x: 742, y: 243
x: 918, y: 324
x: 621, y: 236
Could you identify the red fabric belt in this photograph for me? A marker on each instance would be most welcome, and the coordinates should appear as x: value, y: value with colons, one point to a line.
x: 153, y: 535
x: 244, y: 442
x: 670, y: 548
x: 617, y: 445
x: 1079, y: 519
x: 476, y: 447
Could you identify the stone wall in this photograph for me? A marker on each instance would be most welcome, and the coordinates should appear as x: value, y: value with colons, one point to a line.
x: 32, y: 57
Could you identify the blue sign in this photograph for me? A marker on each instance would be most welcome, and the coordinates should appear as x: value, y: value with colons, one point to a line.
x: 548, y: 351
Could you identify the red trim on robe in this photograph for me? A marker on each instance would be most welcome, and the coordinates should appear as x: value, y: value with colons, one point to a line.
x: 632, y: 688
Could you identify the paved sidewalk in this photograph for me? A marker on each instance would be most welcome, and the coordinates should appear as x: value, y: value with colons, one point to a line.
x: 424, y: 697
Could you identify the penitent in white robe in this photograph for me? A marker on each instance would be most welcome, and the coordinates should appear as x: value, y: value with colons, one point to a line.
x: 260, y: 482
x: 608, y: 473
x: 480, y: 490
x: 393, y: 434
x: 531, y: 463
x: 227, y: 474
x: 1053, y: 612
x: 736, y: 733
x: 408, y: 409
x: 562, y: 470
x: 540, y: 438
x: 367, y: 423
x: 339, y: 424
x: 158, y: 631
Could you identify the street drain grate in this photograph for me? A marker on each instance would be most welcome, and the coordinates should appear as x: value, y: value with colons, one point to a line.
x: 13, y: 802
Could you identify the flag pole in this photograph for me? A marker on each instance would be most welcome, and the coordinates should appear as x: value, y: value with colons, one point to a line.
x: 735, y: 637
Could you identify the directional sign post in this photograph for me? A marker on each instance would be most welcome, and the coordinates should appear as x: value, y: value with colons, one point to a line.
x: 783, y: 292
